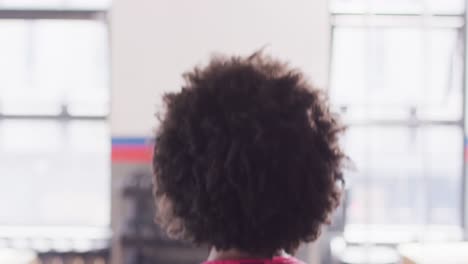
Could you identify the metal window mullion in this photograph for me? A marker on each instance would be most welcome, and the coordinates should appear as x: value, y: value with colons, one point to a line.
x: 382, y: 21
x: 464, y: 186
x: 52, y: 117
x: 64, y: 14
x: 382, y: 14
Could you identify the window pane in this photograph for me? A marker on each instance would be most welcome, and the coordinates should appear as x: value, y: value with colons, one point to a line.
x: 53, y: 175
x: 51, y: 63
x: 446, y: 6
x: 79, y: 4
x: 413, y: 177
x: 397, y: 73
x: 398, y: 6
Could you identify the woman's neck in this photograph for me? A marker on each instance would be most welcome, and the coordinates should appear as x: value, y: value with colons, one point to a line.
x: 235, y: 254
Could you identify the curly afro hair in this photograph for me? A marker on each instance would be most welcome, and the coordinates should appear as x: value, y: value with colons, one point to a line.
x: 246, y: 157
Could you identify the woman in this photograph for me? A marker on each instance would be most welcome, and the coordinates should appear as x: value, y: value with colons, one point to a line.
x: 247, y: 161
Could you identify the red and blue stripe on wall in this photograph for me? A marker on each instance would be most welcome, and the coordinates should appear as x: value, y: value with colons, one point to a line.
x: 466, y: 149
x: 140, y: 149
x: 132, y: 149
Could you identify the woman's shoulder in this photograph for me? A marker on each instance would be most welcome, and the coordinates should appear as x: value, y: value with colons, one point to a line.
x: 275, y: 260
x: 287, y: 260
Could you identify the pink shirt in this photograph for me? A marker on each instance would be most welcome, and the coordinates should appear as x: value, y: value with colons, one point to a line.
x: 275, y: 260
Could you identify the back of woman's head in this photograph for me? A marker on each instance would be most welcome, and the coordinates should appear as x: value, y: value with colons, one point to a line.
x: 246, y: 157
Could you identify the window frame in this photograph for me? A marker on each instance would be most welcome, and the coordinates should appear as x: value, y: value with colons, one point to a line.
x: 410, y: 19
x: 99, y: 236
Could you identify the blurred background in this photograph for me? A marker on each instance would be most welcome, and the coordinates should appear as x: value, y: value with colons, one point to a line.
x: 81, y: 80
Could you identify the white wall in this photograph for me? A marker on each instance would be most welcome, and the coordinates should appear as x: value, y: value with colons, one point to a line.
x: 154, y: 41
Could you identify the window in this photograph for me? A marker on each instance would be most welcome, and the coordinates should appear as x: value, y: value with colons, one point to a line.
x: 54, y: 102
x: 53, y: 66
x: 411, y: 177
x: 397, y: 72
x: 53, y: 171
x: 55, y: 4
x: 398, y: 7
